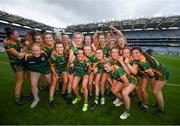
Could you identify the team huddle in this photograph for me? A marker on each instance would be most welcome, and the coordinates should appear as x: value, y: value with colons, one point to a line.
x: 85, y: 64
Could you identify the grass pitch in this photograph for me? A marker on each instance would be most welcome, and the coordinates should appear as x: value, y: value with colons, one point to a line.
x: 72, y: 114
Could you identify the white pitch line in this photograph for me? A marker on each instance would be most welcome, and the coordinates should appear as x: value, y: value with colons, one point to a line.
x: 4, y: 62
x: 169, y: 84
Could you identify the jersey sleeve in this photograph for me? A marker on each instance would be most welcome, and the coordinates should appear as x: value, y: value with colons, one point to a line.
x: 52, y: 60
x: 121, y: 72
x: 88, y: 61
x: 135, y: 62
x: 10, y: 46
x: 71, y: 47
x: 95, y: 60
x: 145, y: 65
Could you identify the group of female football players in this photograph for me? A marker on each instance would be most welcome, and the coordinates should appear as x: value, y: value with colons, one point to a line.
x: 85, y: 64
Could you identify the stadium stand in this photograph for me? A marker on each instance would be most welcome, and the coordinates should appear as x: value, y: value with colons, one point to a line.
x: 20, y: 24
x: 161, y: 34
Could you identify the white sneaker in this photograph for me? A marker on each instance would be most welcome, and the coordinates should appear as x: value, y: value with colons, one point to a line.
x: 125, y: 115
x: 119, y: 103
x: 103, y: 101
x: 115, y: 101
x: 96, y: 101
x: 34, y: 103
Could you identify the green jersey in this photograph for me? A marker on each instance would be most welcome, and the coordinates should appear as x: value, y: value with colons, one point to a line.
x: 100, y: 67
x: 161, y: 72
x: 92, y: 58
x: 117, y: 73
x: 81, y: 68
x: 105, y: 49
x: 38, y: 64
x: 134, y: 62
x: 48, y: 49
x: 74, y: 49
x: 12, y: 45
x: 60, y: 62
x: 143, y: 66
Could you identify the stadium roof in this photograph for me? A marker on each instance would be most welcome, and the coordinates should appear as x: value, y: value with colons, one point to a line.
x: 153, y: 23
x: 10, y: 18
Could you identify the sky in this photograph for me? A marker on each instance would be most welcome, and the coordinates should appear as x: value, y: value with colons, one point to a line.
x: 62, y: 13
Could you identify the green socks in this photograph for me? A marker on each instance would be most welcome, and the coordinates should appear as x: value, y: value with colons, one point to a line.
x: 51, y: 99
x: 69, y: 95
x: 17, y: 97
x: 86, y: 102
x: 97, y: 98
x: 128, y: 110
x: 102, y: 95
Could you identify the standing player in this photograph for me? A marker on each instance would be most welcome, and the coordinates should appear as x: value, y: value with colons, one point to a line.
x: 81, y: 66
x: 48, y: 43
x: 98, y: 71
x: 73, y: 51
x: 13, y: 50
x: 92, y: 57
x: 131, y: 68
x: 38, y: 64
x: 58, y: 63
x: 159, y: 74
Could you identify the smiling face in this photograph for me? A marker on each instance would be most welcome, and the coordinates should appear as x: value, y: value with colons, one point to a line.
x: 28, y: 37
x: 38, y: 39
x: 87, y: 50
x: 80, y: 55
x: 121, y: 43
x: 59, y: 48
x: 48, y: 39
x: 36, y: 51
x: 108, y: 35
x: 58, y: 37
x: 108, y: 67
x: 78, y: 39
x: 88, y: 40
x: 111, y: 44
x: 126, y: 53
x: 114, y: 53
x: 102, y: 39
x: 65, y: 39
x: 15, y: 35
x: 99, y: 54
x: 136, y: 54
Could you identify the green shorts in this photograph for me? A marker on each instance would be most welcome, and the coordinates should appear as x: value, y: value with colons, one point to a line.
x: 100, y: 71
x: 162, y: 78
x: 140, y: 75
x: 138, y: 80
x: 79, y: 73
x: 132, y: 80
x: 17, y: 67
x: 163, y: 74
x: 42, y: 71
x: 60, y: 70
x: 70, y: 69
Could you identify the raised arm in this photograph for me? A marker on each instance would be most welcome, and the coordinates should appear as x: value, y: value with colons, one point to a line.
x: 95, y: 39
x: 116, y: 30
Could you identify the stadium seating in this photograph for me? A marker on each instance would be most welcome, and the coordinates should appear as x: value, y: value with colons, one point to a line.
x: 160, y: 41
